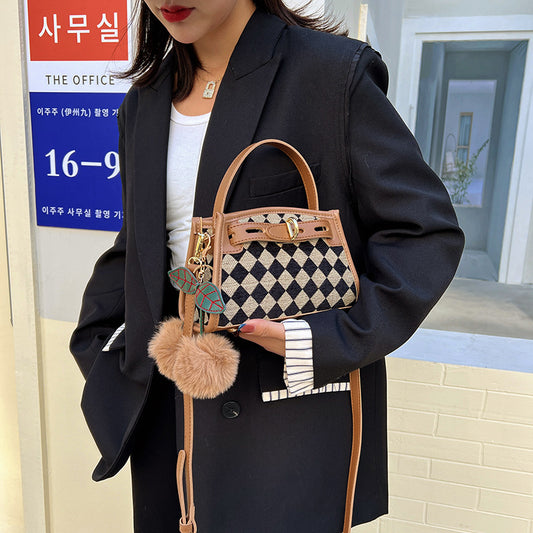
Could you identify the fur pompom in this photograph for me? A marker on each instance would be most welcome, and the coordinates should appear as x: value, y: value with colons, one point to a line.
x: 163, y: 345
x: 205, y: 365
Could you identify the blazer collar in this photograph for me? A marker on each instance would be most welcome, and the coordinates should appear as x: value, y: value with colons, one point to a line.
x: 257, y: 43
x: 237, y: 110
x: 239, y: 104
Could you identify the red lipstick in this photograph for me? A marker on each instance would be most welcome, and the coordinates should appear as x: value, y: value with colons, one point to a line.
x: 176, y: 13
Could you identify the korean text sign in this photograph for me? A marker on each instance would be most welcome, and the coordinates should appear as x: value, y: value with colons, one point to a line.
x: 77, y: 181
x: 83, y: 30
x: 75, y: 48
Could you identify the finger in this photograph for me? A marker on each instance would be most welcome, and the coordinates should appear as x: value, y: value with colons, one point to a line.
x: 263, y: 328
x: 269, y: 335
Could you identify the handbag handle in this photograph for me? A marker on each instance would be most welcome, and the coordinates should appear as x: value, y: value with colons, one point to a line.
x: 296, y: 158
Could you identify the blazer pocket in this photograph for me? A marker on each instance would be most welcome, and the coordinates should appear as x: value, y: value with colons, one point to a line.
x: 279, y: 183
x: 111, y: 402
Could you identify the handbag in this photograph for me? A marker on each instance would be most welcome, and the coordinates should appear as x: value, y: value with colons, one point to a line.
x: 275, y: 262
x: 272, y: 263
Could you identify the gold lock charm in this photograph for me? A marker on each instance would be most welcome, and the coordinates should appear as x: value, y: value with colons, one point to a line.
x: 209, y: 90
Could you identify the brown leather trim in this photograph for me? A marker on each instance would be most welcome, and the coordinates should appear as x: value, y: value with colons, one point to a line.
x: 184, y: 462
x: 237, y: 216
x: 296, y: 158
x: 355, y: 455
x: 340, y: 231
x: 322, y: 218
x: 262, y: 231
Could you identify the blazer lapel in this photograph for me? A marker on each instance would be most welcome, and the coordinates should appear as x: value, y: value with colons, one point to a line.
x: 238, y: 106
x: 151, y: 146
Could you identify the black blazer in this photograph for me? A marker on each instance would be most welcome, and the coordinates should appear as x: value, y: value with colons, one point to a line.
x: 325, y: 95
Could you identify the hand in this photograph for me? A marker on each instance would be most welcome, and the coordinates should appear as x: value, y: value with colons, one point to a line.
x: 270, y: 335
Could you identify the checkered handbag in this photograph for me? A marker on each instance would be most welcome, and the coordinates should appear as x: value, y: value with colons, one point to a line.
x: 275, y: 262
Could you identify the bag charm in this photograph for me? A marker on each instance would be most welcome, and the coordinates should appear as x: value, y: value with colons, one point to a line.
x: 204, y: 365
x: 207, y: 296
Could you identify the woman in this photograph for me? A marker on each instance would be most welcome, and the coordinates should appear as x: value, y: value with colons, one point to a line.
x: 259, y: 465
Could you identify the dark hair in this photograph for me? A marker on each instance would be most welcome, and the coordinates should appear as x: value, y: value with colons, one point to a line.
x: 153, y: 43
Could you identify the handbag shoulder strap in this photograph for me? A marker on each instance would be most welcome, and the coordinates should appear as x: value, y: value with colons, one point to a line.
x: 187, y: 522
x: 296, y: 158
x: 357, y: 427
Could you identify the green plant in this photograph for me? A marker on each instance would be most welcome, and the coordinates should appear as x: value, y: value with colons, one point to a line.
x: 457, y: 182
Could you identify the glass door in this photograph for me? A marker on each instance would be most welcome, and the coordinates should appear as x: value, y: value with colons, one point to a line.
x: 467, y: 113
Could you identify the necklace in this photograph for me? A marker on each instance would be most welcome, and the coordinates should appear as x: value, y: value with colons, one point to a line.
x: 210, y: 87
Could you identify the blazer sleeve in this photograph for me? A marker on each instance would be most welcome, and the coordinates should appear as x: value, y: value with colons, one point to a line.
x: 102, y: 309
x: 410, y: 234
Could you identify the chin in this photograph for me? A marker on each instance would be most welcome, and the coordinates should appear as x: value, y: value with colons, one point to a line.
x: 184, y: 32
x: 183, y: 37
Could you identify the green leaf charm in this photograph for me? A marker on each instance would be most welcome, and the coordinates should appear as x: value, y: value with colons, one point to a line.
x: 209, y: 299
x: 184, y: 279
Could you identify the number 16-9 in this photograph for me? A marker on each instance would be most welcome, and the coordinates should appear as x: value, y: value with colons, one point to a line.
x: 71, y: 168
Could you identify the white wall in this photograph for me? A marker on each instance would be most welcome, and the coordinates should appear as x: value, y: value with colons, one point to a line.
x: 386, y: 18
x: 12, y: 520
x: 347, y: 12
x: 315, y: 6
x: 60, y: 294
x: 18, y: 223
x: 528, y: 270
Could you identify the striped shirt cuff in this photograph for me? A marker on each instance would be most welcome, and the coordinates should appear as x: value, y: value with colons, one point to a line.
x: 113, y: 338
x: 273, y: 395
x: 298, y: 372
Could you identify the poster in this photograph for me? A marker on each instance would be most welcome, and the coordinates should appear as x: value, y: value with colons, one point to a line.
x: 75, y: 50
x: 77, y: 181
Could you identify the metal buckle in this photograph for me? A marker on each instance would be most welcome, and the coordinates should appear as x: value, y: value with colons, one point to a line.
x: 292, y: 228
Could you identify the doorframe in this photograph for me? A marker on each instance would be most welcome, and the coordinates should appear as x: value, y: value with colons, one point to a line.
x: 415, y: 32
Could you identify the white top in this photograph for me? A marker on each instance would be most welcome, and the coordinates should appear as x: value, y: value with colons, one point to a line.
x: 185, y: 141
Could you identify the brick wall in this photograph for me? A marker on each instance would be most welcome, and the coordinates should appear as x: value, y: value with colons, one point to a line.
x: 460, y: 450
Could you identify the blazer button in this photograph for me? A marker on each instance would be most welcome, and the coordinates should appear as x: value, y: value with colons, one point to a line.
x: 231, y: 410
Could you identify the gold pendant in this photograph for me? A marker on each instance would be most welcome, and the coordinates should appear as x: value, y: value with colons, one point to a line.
x: 209, y: 90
